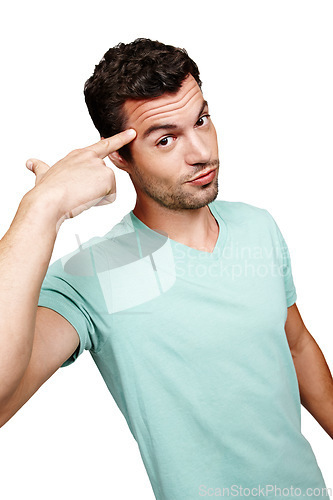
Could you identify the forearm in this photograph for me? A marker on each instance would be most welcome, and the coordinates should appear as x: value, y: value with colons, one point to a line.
x: 315, y: 383
x: 25, y: 253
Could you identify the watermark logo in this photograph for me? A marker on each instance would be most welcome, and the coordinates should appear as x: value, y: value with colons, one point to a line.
x: 134, y: 266
x: 131, y: 268
x: 267, y: 490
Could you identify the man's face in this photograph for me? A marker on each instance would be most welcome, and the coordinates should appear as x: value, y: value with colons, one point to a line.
x: 176, y: 141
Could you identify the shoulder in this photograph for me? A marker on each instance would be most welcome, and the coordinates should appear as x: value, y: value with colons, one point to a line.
x: 238, y: 211
x: 246, y: 219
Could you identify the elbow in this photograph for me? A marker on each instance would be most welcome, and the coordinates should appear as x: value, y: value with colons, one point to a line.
x: 303, y: 342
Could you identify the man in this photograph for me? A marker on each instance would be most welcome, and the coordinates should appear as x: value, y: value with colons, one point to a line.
x: 187, y: 306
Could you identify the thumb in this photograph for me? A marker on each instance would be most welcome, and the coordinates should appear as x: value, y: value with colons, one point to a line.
x: 38, y: 167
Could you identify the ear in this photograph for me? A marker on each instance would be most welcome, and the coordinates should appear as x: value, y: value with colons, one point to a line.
x: 117, y: 159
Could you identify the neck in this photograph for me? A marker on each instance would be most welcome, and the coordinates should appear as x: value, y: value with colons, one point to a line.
x: 196, y: 228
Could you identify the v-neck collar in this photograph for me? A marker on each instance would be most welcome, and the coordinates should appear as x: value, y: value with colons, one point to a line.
x: 193, y: 252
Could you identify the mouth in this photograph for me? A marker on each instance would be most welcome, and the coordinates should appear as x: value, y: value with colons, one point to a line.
x: 204, y: 178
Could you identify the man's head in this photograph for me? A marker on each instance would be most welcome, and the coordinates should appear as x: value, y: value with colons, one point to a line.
x: 146, y: 85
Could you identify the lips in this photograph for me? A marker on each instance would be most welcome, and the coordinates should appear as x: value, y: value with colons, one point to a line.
x: 203, y: 174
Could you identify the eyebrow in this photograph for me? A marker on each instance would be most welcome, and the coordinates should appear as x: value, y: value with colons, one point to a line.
x: 170, y: 126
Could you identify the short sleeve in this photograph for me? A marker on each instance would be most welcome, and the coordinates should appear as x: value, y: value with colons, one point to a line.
x: 64, y: 293
x: 289, y: 285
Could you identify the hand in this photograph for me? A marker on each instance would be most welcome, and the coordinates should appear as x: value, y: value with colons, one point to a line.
x: 81, y: 179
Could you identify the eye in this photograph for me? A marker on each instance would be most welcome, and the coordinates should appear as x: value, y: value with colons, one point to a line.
x: 166, y: 141
x: 203, y: 120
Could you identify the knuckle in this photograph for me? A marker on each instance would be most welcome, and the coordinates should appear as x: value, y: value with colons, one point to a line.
x: 110, y: 177
x: 82, y: 154
x: 76, y: 151
x: 97, y: 163
x: 71, y: 154
x: 101, y: 162
x: 88, y: 152
x: 111, y: 173
x: 105, y: 141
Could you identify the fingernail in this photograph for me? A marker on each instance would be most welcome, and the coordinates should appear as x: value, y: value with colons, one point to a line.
x: 131, y: 132
x: 29, y: 164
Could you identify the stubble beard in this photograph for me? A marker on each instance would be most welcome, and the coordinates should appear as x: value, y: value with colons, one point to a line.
x: 181, y: 197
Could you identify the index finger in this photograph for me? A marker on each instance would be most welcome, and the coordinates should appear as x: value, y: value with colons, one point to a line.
x: 104, y: 147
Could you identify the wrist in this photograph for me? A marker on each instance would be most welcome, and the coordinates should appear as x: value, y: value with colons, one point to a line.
x: 46, y: 207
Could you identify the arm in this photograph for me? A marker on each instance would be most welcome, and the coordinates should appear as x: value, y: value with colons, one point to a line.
x: 313, y: 374
x: 25, y: 252
x: 54, y: 341
x: 74, y: 184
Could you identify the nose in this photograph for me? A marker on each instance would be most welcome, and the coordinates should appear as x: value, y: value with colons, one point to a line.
x: 197, y: 149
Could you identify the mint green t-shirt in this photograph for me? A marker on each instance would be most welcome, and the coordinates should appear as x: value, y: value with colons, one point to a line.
x: 192, y: 348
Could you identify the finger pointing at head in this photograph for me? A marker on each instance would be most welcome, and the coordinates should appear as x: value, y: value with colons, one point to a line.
x: 107, y: 146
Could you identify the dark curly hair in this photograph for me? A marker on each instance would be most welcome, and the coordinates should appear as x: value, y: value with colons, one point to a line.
x: 138, y: 70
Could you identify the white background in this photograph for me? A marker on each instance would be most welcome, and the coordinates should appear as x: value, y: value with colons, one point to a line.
x: 267, y: 74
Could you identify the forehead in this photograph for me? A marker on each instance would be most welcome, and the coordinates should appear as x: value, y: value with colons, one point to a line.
x: 144, y: 111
